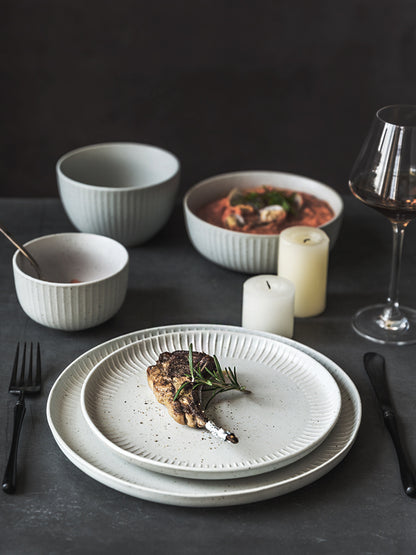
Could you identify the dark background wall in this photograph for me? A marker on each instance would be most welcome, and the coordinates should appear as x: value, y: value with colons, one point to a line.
x: 224, y: 84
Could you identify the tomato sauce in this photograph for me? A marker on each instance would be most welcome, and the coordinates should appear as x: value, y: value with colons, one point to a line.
x: 309, y: 210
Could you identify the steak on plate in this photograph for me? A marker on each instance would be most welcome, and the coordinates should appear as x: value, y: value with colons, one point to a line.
x: 165, y: 378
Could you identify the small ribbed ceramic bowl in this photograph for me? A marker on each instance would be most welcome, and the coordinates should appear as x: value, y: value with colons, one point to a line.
x: 84, y: 280
x: 126, y: 191
x: 245, y: 252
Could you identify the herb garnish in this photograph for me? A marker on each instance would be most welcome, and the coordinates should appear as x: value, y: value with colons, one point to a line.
x: 217, y: 381
x: 267, y: 197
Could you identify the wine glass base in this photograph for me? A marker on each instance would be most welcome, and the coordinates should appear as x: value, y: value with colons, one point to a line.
x: 370, y: 323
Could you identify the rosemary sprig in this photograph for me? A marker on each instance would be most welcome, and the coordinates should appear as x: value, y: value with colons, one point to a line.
x: 217, y: 381
x: 191, y: 363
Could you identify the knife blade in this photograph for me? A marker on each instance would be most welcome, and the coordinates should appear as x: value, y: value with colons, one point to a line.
x: 374, y: 364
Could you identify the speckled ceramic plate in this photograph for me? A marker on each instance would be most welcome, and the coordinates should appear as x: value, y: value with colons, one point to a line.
x: 75, y: 439
x: 292, y: 406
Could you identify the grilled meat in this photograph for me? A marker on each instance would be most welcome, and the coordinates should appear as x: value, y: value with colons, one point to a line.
x: 167, y: 376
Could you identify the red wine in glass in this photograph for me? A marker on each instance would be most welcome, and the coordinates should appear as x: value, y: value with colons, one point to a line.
x: 384, y: 178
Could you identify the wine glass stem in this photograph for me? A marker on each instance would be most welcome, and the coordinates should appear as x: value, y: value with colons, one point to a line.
x: 392, y: 317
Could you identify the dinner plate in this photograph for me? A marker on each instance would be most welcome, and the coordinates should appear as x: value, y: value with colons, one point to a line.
x: 92, y: 457
x: 292, y: 406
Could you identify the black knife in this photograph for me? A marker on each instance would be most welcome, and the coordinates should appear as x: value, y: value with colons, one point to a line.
x: 375, y: 367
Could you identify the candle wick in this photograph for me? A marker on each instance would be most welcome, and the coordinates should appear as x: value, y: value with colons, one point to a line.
x: 268, y: 284
x: 306, y: 239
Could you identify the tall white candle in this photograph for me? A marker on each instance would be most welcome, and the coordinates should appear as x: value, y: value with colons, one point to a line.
x: 303, y: 259
x: 268, y: 303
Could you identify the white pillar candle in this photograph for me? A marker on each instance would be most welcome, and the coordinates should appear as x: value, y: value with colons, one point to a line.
x: 303, y: 259
x: 268, y: 303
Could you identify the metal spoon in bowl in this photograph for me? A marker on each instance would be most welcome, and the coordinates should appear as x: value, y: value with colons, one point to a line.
x: 22, y: 250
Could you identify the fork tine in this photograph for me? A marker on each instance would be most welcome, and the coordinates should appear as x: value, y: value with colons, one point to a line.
x: 29, y: 380
x: 13, y: 379
x: 22, y: 368
x: 38, y: 367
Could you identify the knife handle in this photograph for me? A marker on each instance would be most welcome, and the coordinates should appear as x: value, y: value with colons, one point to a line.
x: 408, y: 479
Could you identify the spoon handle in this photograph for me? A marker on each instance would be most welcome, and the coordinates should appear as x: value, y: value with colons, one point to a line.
x: 25, y: 253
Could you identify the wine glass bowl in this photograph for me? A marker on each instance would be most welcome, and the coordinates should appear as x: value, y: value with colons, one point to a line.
x: 384, y: 178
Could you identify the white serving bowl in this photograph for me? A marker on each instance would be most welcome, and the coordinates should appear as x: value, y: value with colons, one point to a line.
x: 245, y: 252
x: 99, y: 263
x: 125, y: 191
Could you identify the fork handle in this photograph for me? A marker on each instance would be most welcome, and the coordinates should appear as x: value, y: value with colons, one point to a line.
x: 9, y: 479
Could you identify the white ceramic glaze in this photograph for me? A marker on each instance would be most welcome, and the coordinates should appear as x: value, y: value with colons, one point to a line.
x: 93, y: 457
x: 292, y: 406
x: 122, y: 190
x: 245, y: 252
x: 98, y: 263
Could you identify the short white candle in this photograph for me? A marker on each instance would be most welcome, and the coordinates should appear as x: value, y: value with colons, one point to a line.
x: 303, y: 259
x: 268, y: 303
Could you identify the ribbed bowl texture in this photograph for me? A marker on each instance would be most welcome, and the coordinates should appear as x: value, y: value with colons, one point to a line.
x: 245, y: 252
x: 99, y: 264
x: 125, y: 191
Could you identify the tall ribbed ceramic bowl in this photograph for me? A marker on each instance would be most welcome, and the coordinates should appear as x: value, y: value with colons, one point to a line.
x: 245, y: 252
x: 125, y: 191
x: 98, y: 266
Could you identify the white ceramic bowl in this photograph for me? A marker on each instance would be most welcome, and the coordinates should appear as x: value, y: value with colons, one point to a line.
x: 245, y: 252
x: 125, y: 191
x: 99, y: 263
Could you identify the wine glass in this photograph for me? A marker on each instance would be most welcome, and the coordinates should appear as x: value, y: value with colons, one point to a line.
x: 384, y: 178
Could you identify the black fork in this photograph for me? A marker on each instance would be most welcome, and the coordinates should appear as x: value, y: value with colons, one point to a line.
x: 27, y: 381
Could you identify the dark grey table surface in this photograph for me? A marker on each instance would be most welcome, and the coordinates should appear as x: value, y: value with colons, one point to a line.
x: 358, y: 507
